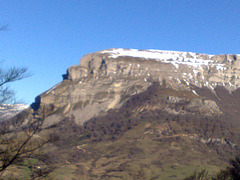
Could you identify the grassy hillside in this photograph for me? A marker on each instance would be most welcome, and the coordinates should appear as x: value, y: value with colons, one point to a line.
x: 161, y: 133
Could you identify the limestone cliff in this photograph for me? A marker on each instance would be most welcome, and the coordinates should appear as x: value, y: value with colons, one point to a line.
x: 105, y: 79
x: 138, y: 114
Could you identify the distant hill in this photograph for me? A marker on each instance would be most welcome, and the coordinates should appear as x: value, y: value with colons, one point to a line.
x: 7, y: 111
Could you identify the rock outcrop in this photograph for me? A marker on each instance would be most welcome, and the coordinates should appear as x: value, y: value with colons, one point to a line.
x: 105, y: 79
x: 131, y: 114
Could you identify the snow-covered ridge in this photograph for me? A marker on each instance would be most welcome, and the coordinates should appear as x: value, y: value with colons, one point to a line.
x: 7, y: 111
x: 174, y: 57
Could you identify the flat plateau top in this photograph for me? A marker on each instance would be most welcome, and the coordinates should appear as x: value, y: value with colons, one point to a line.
x: 174, y: 57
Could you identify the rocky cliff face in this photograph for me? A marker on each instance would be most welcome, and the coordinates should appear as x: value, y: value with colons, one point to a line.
x: 131, y: 114
x: 105, y: 79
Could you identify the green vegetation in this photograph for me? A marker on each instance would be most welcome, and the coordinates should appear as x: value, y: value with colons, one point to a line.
x: 140, y: 140
x: 231, y: 172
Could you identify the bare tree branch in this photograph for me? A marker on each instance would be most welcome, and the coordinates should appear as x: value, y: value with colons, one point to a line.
x: 14, y: 149
x: 19, y: 141
x: 5, y: 94
x: 8, y: 76
x: 13, y: 74
x: 4, y: 27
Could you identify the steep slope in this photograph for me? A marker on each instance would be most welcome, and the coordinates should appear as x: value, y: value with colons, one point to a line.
x: 160, y: 133
x: 104, y: 79
x: 142, y: 114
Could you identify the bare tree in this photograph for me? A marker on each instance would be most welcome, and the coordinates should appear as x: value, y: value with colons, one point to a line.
x: 8, y: 76
x: 21, y: 138
x: 21, y: 144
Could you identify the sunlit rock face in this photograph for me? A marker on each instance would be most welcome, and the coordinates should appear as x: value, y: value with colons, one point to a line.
x: 105, y: 79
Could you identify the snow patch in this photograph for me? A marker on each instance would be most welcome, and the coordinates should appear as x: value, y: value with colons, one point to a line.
x: 194, y: 92
x: 186, y: 82
x: 176, y: 58
x: 7, y: 111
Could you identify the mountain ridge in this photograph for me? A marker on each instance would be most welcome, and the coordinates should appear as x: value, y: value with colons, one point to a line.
x: 7, y: 111
x: 125, y: 117
x: 102, y: 79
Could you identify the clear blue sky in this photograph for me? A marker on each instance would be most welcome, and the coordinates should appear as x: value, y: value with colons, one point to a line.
x: 48, y: 36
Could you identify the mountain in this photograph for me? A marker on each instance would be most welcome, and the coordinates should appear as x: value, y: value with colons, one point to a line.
x: 103, y: 79
x: 7, y: 111
x: 142, y: 114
